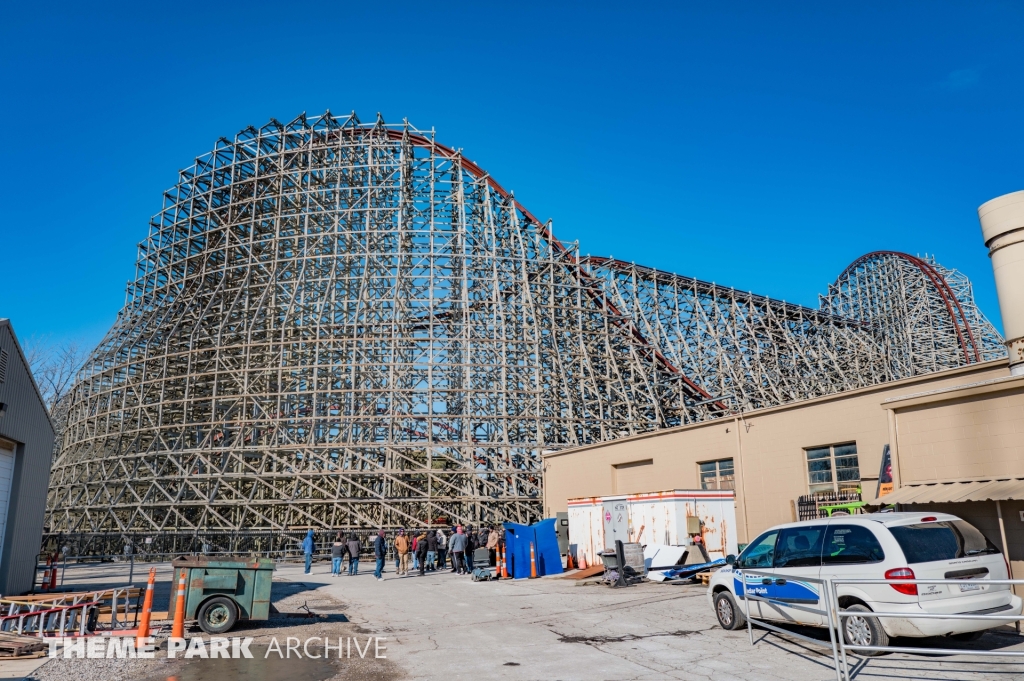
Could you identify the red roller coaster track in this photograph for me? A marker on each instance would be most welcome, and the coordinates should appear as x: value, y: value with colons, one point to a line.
x: 964, y: 334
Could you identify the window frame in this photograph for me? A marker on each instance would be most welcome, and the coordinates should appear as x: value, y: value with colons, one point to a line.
x: 837, y: 484
x: 718, y: 473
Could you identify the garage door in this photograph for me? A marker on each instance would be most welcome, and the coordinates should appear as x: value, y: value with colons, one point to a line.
x: 6, y: 475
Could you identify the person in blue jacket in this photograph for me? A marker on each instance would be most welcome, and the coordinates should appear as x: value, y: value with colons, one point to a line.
x: 307, y: 548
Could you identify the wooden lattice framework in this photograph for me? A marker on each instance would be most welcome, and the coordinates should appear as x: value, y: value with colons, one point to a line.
x: 347, y: 325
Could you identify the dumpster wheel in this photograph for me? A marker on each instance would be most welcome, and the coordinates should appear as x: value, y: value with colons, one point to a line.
x: 217, y: 615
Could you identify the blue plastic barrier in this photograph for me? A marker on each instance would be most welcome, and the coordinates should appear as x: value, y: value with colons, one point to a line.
x: 545, y: 541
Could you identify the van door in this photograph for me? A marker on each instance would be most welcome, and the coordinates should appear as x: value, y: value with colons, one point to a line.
x: 798, y: 556
x: 758, y: 556
x: 853, y: 552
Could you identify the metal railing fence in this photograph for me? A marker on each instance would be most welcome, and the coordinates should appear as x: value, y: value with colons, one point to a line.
x: 834, y: 616
x: 840, y: 614
x: 768, y: 578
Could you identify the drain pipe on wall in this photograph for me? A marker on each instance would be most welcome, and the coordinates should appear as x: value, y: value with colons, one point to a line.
x: 737, y: 419
x: 1002, y: 225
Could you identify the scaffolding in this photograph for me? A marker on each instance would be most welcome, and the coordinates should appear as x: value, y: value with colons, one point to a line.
x: 339, y: 325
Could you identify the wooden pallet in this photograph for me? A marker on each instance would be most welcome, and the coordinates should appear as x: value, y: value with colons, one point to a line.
x: 14, y: 646
x: 591, y: 571
x: 705, y: 577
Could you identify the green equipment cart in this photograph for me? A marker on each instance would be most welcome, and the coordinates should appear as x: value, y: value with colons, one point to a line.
x: 845, y: 508
x: 219, y: 592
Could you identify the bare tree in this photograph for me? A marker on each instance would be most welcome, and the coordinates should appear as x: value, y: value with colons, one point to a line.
x: 54, y: 368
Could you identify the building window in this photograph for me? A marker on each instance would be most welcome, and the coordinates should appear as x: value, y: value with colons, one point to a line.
x: 833, y: 469
x: 717, y: 475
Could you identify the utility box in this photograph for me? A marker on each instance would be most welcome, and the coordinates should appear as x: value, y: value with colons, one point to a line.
x: 220, y: 592
x: 562, y: 532
x: 663, y: 518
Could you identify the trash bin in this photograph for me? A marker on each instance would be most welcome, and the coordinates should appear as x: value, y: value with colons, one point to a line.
x: 610, y: 559
x: 219, y: 592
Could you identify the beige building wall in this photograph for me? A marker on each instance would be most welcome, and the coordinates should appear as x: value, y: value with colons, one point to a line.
x: 973, y: 432
x: 767, y: 447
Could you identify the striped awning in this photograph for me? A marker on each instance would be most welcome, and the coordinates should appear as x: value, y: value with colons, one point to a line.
x: 947, y: 492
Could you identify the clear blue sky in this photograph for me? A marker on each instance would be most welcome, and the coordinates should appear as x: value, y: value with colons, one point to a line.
x: 758, y: 145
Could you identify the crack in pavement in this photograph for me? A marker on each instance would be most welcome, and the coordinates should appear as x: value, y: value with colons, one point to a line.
x: 598, y: 640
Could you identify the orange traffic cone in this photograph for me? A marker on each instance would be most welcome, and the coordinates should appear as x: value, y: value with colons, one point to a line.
x: 533, y: 563
x: 583, y: 561
x: 178, y: 629
x: 147, y: 607
x: 504, y: 563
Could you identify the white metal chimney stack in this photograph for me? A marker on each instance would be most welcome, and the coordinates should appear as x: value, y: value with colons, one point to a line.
x: 1002, y: 224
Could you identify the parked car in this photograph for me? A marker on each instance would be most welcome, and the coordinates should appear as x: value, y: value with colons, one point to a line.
x: 890, y: 546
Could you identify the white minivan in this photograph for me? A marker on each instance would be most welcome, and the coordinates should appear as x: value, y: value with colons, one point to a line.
x: 890, y: 546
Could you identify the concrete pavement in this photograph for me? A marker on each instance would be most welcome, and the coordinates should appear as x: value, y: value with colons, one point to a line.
x: 444, y: 626
x: 448, y: 627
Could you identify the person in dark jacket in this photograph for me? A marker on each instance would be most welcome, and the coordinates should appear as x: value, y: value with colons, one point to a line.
x: 380, y: 548
x: 471, y: 546
x: 353, y: 554
x: 337, y: 552
x: 421, y: 552
x: 431, y: 550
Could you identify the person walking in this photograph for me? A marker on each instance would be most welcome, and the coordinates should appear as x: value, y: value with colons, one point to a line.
x: 442, y: 550
x: 308, y: 546
x: 471, y: 546
x: 380, y: 548
x: 353, y: 554
x: 492, y: 547
x: 431, y: 550
x: 402, y: 548
x: 337, y: 552
x: 421, y: 553
x: 457, y: 544
x: 415, y: 553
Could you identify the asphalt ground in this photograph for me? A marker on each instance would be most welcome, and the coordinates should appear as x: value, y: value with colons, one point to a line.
x: 444, y: 626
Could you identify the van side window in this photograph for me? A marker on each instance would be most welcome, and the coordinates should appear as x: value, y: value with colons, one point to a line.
x: 760, y: 553
x: 799, y: 546
x: 850, y: 545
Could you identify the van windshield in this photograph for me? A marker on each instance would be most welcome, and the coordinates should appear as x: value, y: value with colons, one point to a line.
x: 927, y: 542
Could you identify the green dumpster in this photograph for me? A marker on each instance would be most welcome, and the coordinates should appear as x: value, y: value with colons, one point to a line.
x: 219, y: 592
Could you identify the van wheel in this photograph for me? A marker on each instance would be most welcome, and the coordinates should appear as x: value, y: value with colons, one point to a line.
x: 729, y: 616
x: 217, y: 615
x: 864, y: 631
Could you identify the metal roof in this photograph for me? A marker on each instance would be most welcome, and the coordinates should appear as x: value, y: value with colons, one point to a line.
x: 969, y: 490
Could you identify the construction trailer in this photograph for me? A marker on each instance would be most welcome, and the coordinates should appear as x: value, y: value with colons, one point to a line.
x: 671, y: 518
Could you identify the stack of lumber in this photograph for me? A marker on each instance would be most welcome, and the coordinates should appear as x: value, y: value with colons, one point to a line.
x: 15, y: 646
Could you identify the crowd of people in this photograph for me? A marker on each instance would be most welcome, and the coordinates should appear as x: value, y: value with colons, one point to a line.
x: 417, y: 550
